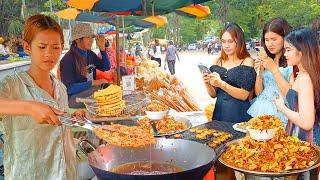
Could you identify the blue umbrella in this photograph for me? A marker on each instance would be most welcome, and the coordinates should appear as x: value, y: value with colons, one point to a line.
x: 87, y: 17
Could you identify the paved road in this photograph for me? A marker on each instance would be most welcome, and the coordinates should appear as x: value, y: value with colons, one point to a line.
x: 187, y: 71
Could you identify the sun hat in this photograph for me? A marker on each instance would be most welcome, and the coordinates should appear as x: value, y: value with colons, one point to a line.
x: 81, y: 30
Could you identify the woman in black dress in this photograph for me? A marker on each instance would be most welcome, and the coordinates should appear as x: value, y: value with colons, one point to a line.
x: 232, y: 78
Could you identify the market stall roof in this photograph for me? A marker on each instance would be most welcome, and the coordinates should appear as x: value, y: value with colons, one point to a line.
x: 69, y: 13
x: 194, y: 10
x: 138, y: 21
x: 134, y: 7
x: 74, y: 14
x: 158, y: 21
x: 104, y: 8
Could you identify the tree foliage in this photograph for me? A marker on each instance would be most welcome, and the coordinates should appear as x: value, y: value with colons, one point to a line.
x: 249, y: 14
x: 13, y: 13
x: 15, y: 27
x: 9, y: 11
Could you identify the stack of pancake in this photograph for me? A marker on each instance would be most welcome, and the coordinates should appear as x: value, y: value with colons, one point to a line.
x: 110, y: 102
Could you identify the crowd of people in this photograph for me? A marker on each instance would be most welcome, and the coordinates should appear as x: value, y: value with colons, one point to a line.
x: 283, y: 79
x: 275, y: 78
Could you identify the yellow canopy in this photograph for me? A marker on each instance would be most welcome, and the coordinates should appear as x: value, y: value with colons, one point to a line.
x: 69, y: 13
x: 82, y: 4
x: 159, y: 21
x: 196, y: 10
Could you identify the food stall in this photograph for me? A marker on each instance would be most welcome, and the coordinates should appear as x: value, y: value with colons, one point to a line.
x: 181, y: 129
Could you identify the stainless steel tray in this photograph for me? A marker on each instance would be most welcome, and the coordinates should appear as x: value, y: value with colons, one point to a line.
x: 272, y: 174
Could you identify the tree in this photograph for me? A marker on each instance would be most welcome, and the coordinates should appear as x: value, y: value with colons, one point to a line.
x: 8, y: 13
x: 251, y: 15
x: 12, y: 18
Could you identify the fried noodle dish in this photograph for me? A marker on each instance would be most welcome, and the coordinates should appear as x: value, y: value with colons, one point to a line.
x: 282, y: 153
x: 156, y: 106
x: 165, y: 126
x: 265, y: 122
x: 134, y: 136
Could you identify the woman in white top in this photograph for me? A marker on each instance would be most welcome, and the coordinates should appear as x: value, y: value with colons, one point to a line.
x: 157, y: 52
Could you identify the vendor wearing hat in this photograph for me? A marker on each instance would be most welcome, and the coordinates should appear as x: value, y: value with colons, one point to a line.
x: 78, y: 66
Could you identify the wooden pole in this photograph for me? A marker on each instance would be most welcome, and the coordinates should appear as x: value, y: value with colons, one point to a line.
x: 152, y: 7
x: 144, y: 8
x: 117, y: 50
x: 123, y: 41
x: 23, y: 6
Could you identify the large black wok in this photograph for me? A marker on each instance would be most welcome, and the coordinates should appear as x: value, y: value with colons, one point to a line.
x: 194, y: 158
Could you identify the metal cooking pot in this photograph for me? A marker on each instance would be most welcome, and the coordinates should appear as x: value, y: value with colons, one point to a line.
x: 194, y: 158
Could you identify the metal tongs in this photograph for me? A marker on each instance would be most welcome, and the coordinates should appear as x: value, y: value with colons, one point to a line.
x: 83, y: 122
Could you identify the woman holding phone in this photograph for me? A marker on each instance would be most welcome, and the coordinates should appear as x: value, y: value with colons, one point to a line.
x: 273, y: 74
x: 232, y: 78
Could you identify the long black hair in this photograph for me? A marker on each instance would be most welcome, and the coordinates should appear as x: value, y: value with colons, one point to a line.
x: 281, y: 27
x: 81, y: 63
x: 305, y: 41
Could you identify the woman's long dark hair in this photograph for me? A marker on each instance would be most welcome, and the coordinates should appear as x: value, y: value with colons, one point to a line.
x: 81, y: 63
x: 281, y: 27
x: 238, y: 36
x: 305, y: 41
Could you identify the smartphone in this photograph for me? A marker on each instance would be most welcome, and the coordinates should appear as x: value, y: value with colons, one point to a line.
x: 204, y: 69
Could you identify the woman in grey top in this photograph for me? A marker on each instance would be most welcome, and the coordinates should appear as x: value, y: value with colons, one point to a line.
x: 36, y: 145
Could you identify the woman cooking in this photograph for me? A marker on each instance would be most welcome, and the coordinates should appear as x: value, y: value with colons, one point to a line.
x: 36, y: 145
